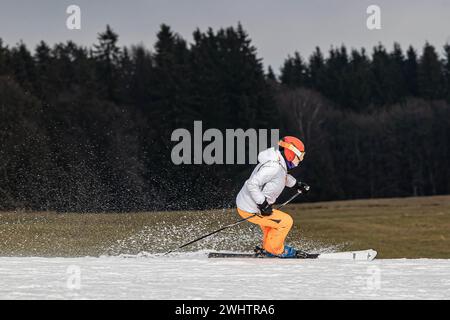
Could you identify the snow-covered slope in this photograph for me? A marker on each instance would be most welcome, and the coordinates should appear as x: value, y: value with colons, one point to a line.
x: 193, y: 276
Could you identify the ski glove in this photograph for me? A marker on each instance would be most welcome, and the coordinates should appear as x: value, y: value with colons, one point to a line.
x: 265, y: 208
x: 302, y: 187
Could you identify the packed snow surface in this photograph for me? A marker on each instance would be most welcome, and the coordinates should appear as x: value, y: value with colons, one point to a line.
x: 194, y: 276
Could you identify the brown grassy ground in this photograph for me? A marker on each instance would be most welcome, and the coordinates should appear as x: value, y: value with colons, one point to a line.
x: 407, y: 227
x: 396, y: 228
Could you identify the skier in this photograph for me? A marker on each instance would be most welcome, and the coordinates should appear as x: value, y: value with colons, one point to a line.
x: 262, y: 189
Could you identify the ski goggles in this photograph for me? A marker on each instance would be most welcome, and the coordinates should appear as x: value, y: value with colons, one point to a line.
x: 291, y: 147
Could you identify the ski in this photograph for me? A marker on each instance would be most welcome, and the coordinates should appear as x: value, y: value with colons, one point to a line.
x: 362, y: 255
x: 234, y: 255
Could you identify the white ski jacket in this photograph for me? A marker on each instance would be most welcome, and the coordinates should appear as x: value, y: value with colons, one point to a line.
x: 266, y: 182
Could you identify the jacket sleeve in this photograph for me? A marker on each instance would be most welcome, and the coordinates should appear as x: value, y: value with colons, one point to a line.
x: 256, y: 183
x: 290, y: 181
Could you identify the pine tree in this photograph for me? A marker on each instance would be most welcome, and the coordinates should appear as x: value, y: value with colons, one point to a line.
x: 411, y: 66
x: 125, y: 67
x: 43, y: 67
x: 430, y: 74
x: 84, y: 70
x: 23, y: 67
x: 229, y: 80
x: 447, y: 71
x: 385, y: 77
x: 170, y: 82
x: 4, y: 59
x: 397, y: 74
x: 107, y: 53
x: 359, y: 81
x: 316, y: 70
x: 336, y: 76
x: 142, y: 73
x: 287, y: 72
x: 294, y: 72
x: 271, y: 75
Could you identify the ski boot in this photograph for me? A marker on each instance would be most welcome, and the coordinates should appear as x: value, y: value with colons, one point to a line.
x: 289, y: 252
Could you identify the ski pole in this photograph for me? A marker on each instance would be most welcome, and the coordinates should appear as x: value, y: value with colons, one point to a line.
x: 232, y: 225
x: 289, y: 200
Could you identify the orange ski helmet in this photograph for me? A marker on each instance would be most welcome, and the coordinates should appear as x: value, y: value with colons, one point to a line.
x: 292, y: 147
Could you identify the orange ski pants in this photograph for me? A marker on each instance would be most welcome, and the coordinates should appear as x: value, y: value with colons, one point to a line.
x: 275, y: 228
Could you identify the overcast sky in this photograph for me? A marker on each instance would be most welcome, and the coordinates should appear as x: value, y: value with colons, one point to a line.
x: 277, y: 28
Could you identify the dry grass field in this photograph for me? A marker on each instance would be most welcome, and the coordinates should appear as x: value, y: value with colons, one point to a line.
x: 396, y: 228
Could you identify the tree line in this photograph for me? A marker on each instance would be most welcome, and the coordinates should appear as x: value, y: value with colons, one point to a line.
x: 360, y: 82
x: 88, y: 128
